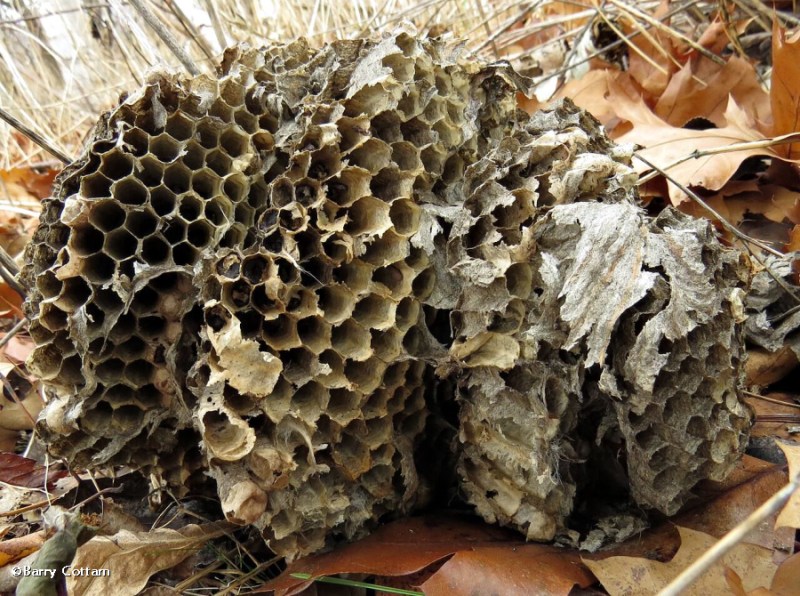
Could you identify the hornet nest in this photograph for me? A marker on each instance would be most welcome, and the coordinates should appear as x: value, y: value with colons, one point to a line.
x: 264, y: 276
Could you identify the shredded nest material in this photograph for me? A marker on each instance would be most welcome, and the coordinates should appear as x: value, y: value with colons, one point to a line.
x: 268, y: 276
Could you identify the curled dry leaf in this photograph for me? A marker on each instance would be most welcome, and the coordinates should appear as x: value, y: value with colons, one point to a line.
x: 775, y: 414
x: 21, y: 471
x: 764, y: 368
x: 785, y: 88
x: 631, y: 575
x: 523, y: 570
x: 701, y: 89
x: 132, y: 557
x: 487, y: 560
x: 675, y: 144
x: 790, y: 516
x: 21, y: 546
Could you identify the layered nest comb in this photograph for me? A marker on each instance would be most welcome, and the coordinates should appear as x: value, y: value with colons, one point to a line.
x: 257, y: 275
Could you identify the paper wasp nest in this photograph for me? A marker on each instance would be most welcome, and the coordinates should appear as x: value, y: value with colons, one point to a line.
x: 253, y: 275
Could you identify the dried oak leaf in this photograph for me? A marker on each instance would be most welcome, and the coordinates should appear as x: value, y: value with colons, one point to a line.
x: 21, y: 546
x: 784, y: 583
x: 521, y: 570
x: 653, y: 58
x: 21, y: 471
x: 485, y: 560
x: 701, y: 89
x: 785, y: 89
x: 673, y: 146
x: 631, y: 575
x: 787, y: 578
x: 35, y: 184
x: 790, y: 515
x: 721, y: 507
x: 132, y: 557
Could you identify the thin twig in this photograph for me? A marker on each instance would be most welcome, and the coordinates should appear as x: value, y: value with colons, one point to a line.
x: 12, y: 332
x: 190, y: 29
x: 669, y: 31
x: 689, y: 575
x: 732, y: 229
x: 791, y: 137
x: 784, y: 418
x: 771, y: 400
x: 12, y: 282
x: 26, y: 508
x: 35, y: 137
x: 165, y: 36
x: 624, y: 39
x: 7, y: 261
x: 215, y: 23
x: 725, y: 223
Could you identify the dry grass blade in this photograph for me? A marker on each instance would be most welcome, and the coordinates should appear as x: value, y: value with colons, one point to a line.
x: 643, y: 16
x: 731, y: 148
x: 190, y: 29
x: 771, y: 400
x: 747, y: 240
x: 731, y: 539
x: 12, y: 332
x: 216, y: 24
x: 35, y: 137
x: 726, y: 224
x: 165, y: 36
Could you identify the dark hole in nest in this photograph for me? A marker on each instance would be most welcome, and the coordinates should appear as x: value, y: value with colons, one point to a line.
x: 216, y: 317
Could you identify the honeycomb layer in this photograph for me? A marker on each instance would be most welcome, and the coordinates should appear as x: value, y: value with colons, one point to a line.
x: 229, y: 266
x: 254, y: 276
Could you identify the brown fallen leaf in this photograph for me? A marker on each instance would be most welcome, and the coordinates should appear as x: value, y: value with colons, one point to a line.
x: 631, y: 575
x: 787, y: 578
x: 132, y: 557
x: 790, y: 515
x: 723, y: 505
x: 590, y: 92
x: 785, y: 88
x: 774, y: 415
x: 668, y: 146
x: 18, y: 348
x: 733, y: 505
x: 37, y: 184
x: 736, y: 586
x: 16, y: 548
x: 701, y: 89
x: 408, y: 546
x: 10, y: 302
x: 652, y: 58
x: 21, y: 471
x: 784, y: 583
x: 523, y: 570
x: 763, y: 368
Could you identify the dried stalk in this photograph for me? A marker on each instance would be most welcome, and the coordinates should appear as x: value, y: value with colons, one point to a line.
x: 165, y: 36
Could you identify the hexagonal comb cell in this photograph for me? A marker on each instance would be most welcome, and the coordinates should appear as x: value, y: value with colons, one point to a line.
x: 258, y: 272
